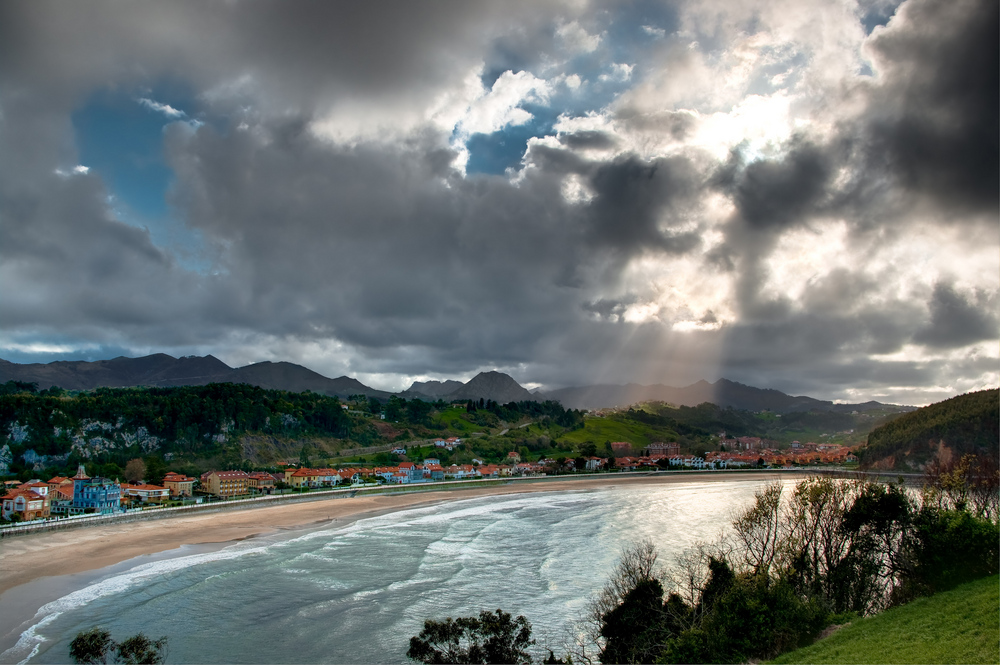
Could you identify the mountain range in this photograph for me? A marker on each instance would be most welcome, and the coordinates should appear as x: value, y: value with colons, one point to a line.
x: 163, y: 370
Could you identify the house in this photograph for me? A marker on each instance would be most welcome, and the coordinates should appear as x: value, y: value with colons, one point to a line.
x: 459, y: 472
x: 415, y: 472
x: 25, y: 505
x: 513, y: 457
x: 61, y: 500
x: 627, y: 463
x: 179, y: 485
x: 302, y: 477
x: 385, y: 472
x: 596, y: 463
x: 621, y: 448
x: 661, y: 449
x: 36, y: 486
x: 60, y: 481
x: 226, y: 483
x: 261, y: 481
x: 750, y: 442
x: 145, y: 493
x: 95, y: 495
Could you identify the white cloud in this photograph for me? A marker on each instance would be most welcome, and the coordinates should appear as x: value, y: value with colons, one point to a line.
x: 577, y: 38
x: 79, y: 169
x: 619, y: 72
x: 165, y: 109
x: 500, y: 106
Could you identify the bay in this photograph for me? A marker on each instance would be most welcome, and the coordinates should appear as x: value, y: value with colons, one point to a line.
x: 356, y: 593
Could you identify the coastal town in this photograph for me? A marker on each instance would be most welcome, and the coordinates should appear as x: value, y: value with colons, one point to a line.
x: 60, y: 497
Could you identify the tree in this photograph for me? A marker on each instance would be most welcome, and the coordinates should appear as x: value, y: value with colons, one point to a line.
x: 96, y: 646
x: 140, y: 650
x: 135, y: 470
x: 417, y: 411
x: 156, y: 468
x: 492, y: 637
x: 636, y: 630
x: 92, y: 646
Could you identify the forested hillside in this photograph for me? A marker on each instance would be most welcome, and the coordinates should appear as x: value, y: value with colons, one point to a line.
x: 232, y: 425
x: 965, y: 424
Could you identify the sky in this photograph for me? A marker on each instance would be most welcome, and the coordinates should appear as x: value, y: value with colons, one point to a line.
x: 792, y: 194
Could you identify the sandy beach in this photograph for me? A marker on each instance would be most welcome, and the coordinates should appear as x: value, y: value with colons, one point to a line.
x: 29, y: 558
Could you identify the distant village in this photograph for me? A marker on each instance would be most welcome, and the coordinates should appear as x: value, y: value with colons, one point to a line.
x: 82, y: 495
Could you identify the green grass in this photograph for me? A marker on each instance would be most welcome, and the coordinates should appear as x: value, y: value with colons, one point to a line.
x: 957, y: 626
x: 599, y: 430
x: 453, y: 418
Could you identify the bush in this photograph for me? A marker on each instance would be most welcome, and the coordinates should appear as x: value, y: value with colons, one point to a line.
x: 950, y: 547
x: 758, y: 618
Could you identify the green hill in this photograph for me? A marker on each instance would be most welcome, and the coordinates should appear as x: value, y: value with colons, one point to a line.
x: 957, y: 626
x: 965, y: 424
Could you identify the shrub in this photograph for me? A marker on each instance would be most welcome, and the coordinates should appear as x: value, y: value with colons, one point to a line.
x: 949, y: 547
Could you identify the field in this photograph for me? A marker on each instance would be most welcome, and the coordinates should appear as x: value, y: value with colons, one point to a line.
x: 957, y: 626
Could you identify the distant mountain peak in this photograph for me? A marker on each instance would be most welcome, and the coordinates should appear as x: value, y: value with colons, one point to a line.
x: 160, y: 369
x: 493, y: 385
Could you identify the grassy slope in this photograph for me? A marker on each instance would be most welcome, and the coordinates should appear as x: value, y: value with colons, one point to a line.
x: 957, y: 626
x: 454, y: 419
x: 599, y: 430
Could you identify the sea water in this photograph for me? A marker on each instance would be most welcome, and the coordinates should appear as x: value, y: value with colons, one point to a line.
x: 356, y: 593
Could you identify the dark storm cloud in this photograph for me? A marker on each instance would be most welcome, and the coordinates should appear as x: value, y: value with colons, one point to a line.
x: 296, y: 54
x: 934, y: 121
x: 771, y: 196
x: 66, y: 263
x: 371, y: 246
x: 592, y: 139
x: 955, y: 321
x: 606, y: 308
x: 677, y: 124
x: 637, y: 201
x: 777, y: 193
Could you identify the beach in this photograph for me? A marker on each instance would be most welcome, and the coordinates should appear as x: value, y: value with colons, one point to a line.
x: 457, y: 545
x: 73, y: 551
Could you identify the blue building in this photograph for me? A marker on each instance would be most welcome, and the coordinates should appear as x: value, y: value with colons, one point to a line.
x: 95, y: 495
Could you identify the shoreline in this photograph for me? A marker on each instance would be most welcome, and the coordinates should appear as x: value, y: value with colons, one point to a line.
x: 74, y: 551
x: 39, y: 568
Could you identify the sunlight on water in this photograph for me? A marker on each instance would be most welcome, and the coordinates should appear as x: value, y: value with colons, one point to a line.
x: 355, y: 594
